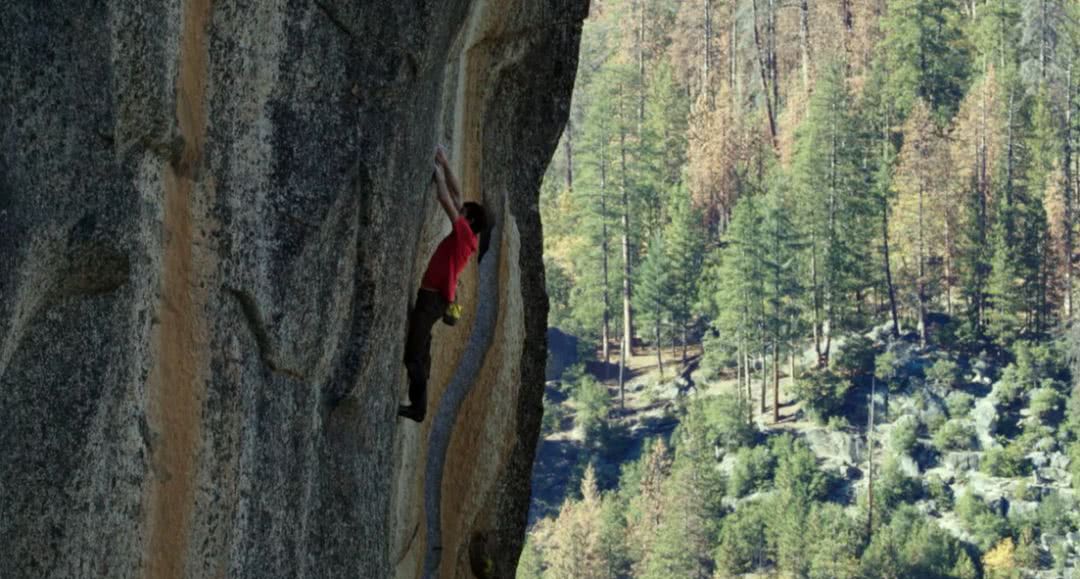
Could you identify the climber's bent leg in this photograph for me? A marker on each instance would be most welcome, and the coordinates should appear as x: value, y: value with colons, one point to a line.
x: 429, y: 308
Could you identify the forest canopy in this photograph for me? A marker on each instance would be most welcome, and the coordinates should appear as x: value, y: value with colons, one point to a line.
x: 871, y: 200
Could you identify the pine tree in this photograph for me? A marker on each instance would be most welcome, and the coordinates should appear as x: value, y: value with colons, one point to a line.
x: 740, y: 301
x: 964, y: 568
x: 925, y: 55
x: 686, y: 249
x: 1006, y: 301
x: 655, y: 289
x: 919, y: 219
x: 995, y: 36
x: 781, y: 244
x: 683, y: 538
x: 1042, y: 184
x: 575, y: 548
x: 834, y: 214
x: 979, y: 136
x: 646, y: 509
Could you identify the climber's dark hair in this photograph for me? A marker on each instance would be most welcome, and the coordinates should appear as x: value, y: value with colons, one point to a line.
x: 476, y: 216
x: 480, y: 224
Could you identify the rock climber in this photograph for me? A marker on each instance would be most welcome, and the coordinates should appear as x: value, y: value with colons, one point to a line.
x: 470, y: 229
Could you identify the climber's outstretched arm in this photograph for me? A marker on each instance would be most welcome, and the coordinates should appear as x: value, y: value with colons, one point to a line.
x: 444, y: 194
x: 451, y: 179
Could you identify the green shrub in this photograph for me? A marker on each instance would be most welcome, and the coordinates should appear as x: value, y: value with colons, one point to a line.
x: 553, y: 416
x: 1074, y: 464
x: 726, y: 418
x: 838, y: 423
x: 893, y: 488
x: 1046, y: 405
x: 959, y: 404
x: 1027, y: 552
x: 935, y: 421
x: 887, y: 366
x: 1060, y: 553
x: 939, y: 492
x: 1009, y: 390
x: 592, y: 402
x: 752, y: 470
x: 943, y: 374
x: 1056, y: 514
x: 855, y: 356
x: 1037, y: 365
x: 717, y: 356
x: 822, y: 392
x: 797, y: 475
x: 904, y: 435
x: 985, y: 526
x: 955, y: 435
x: 911, y: 545
x: 742, y: 545
x: 1005, y: 461
x: 836, y: 541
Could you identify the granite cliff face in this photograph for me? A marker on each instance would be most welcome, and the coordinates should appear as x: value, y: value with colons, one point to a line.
x: 213, y: 217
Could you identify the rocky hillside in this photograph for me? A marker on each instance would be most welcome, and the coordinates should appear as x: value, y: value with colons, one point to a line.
x: 213, y: 216
x: 972, y: 458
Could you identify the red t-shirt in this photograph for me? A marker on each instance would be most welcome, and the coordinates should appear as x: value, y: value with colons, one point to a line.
x: 450, y: 259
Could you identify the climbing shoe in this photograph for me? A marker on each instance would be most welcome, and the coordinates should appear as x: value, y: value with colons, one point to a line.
x: 452, y: 314
x: 411, y: 412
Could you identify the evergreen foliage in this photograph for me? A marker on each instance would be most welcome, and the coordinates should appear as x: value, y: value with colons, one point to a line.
x: 829, y: 198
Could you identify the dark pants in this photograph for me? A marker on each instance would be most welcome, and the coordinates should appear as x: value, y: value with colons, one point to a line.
x: 429, y: 309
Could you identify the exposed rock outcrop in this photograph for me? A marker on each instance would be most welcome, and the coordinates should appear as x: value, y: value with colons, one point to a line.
x: 213, y: 216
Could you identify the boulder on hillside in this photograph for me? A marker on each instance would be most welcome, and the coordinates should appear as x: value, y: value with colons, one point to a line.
x: 994, y: 490
x: 961, y: 461
x: 980, y: 371
x: 1060, y: 460
x: 836, y: 449
x: 908, y: 466
x: 985, y: 417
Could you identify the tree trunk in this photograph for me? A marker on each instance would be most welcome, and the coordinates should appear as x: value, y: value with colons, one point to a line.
x: 830, y: 293
x: 849, y: 24
x: 622, y: 376
x: 684, y: 338
x: 791, y: 371
x: 1042, y: 43
x: 922, y: 274
x: 641, y: 66
x: 738, y: 370
x: 888, y: 268
x: 764, y: 380
x: 605, y: 331
x: 706, y: 67
x: 815, y: 298
x: 774, y: 65
x: 764, y: 74
x: 948, y: 266
x: 1067, y: 154
x: 749, y: 386
x: 776, y: 381
x: 733, y: 62
x: 983, y: 189
x: 628, y: 320
x: 659, y: 347
x: 1009, y: 152
x: 804, y: 42
x: 870, y: 464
